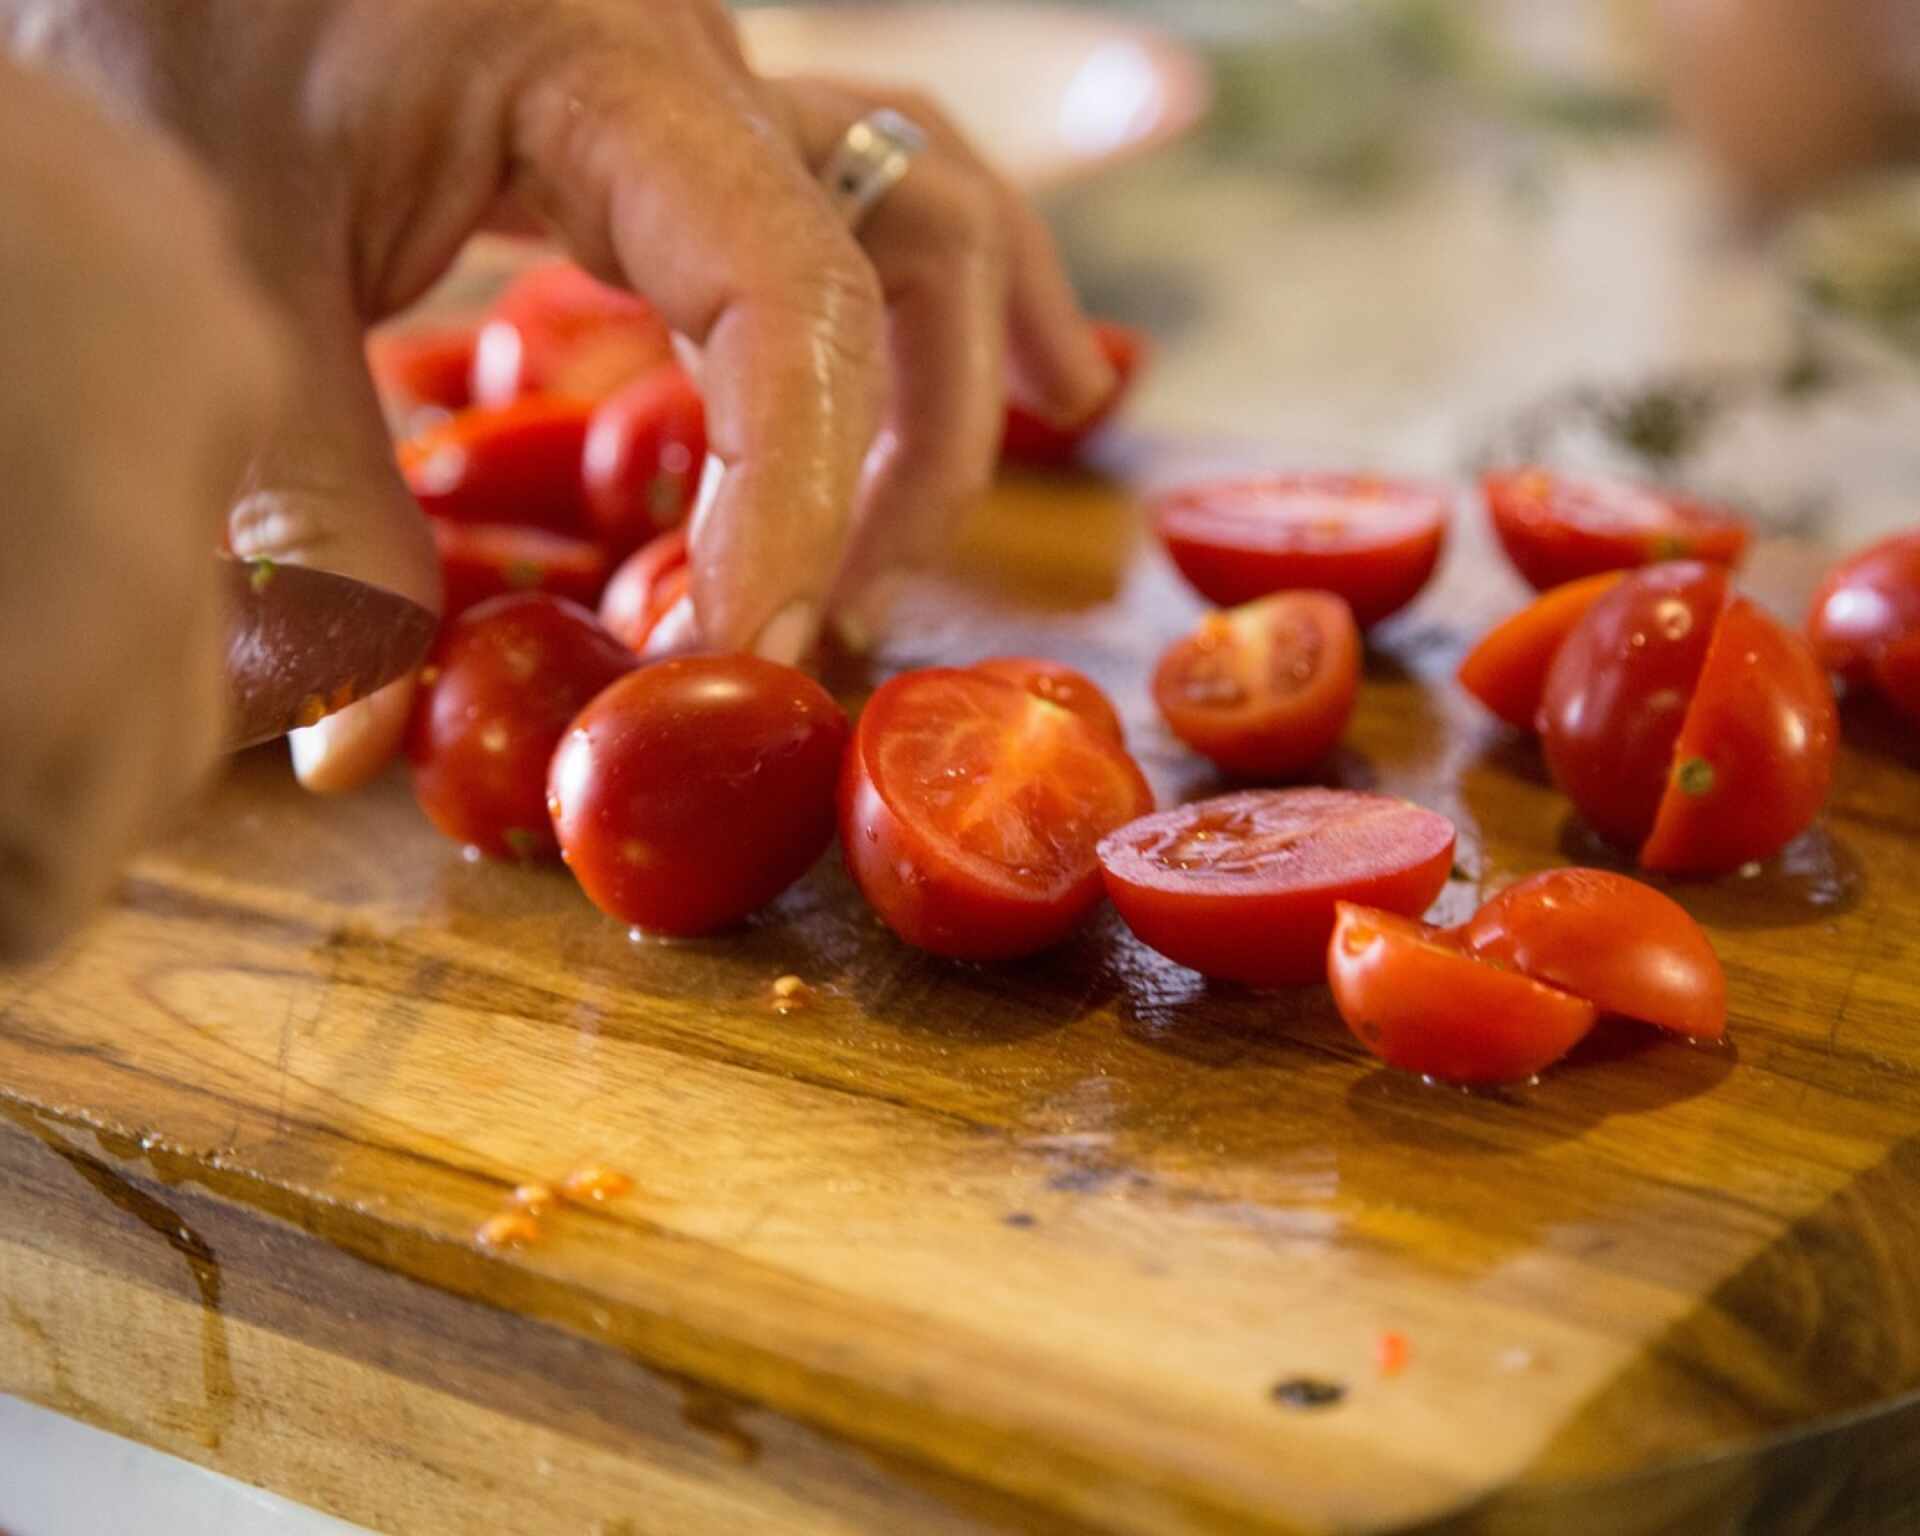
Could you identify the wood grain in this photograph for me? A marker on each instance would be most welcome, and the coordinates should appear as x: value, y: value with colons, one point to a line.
x: 953, y: 1248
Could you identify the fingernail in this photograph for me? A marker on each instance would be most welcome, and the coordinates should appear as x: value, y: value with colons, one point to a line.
x: 345, y: 750
x: 789, y: 634
x: 675, y: 631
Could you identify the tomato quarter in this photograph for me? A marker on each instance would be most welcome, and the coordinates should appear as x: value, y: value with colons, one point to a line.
x: 1242, y: 887
x: 1059, y: 682
x: 648, y: 583
x: 557, y: 330
x: 483, y: 560
x: 1507, y: 670
x: 1032, y: 440
x: 1556, y: 528
x: 518, y: 464
x: 645, y: 449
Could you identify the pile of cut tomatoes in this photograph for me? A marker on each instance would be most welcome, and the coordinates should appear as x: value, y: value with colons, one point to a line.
x: 984, y: 811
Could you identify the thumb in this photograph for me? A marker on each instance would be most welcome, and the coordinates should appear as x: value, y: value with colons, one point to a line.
x: 325, y: 492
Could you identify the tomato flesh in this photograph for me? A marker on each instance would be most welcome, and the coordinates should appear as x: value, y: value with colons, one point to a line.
x: 692, y: 792
x: 1373, y: 541
x: 645, y: 449
x: 1556, y: 528
x: 1032, y: 440
x: 1265, y: 689
x: 1242, y: 887
x: 970, y: 811
x: 499, y: 688
x: 416, y: 366
x: 645, y: 586
x: 557, y: 330
x: 1507, y: 670
x: 1065, y: 686
x: 482, y: 560
x: 1421, y: 1003
x: 1621, y: 945
x: 517, y: 464
x: 1867, y: 603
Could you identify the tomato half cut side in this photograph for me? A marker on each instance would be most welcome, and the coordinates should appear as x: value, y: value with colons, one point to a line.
x: 1753, y: 762
x: 1242, y: 887
x: 1623, y: 946
x: 556, y: 329
x: 1372, y: 540
x: 483, y: 560
x: 970, y: 812
x: 1507, y: 670
x: 416, y: 366
x: 518, y: 464
x: 648, y: 583
x: 1558, y: 528
x: 1421, y: 1003
x: 1032, y: 440
x: 1265, y: 689
x: 1064, y: 685
x: 1866, y: 603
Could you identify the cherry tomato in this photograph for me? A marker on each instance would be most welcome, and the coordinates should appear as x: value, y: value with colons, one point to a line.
x: 557, y: 330
x: 483, y: 560
x: 1557, y: 529
x: 1061, y: 683
x: 1867, y: 603
x: 1421, y: 1003
x: 1754, y: 759
x: 519, y: 464
x: 419, y: 365
x: 649, y: 582
x: 1507, y: 670
x: 970, y: 811
x: 694, y: 791
x: 1266, y: 689
x: 495, y: 695
x: 1375, y: 542
x: 1242, y: 887
x: 1898, y: 674
x: 1621, y: 945
x: 1617, y: 694
x: 645, y: 450
x: 1031, y: 440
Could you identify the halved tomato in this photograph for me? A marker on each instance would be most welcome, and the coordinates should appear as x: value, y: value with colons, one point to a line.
x: 1243, y: 886
x: 648, y: 583
x: 1868, y: 602
x: 1264, y: 690
x: 1557, y: 528
x: 1507, y: 670
x: 970, y: 811
x: 1421, y: 1003
x: 518, y: 464
x: 1065, y: 686
x: 482, y: 560
x: 556, y: 329
x: 1030, y: 439
x: 1373, y: 541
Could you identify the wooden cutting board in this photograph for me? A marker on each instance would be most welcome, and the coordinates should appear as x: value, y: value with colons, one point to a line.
x: 1030, y: 1248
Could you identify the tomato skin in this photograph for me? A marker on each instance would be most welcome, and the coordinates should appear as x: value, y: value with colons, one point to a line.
x: 1372, y: 540
x: 1754, y: 760
x: 648, y: 583
x: 1423, y: 1004
x: 1898, y: 674
x: 1064, y: 685
x: 921, y: 876
x: 417, y: 365
x: 483, y: 560
x: 1868, y: 602
x: 1217, y: 688
x: 1621, y: 945
x: 557, y: 330
x: 1557, y: 528
x: 645, y: 450
x: 1033, y: 441
x: 692, y: 792
x: 1173, y: 876
x: 518, y: 464
x: 499, y: 688
x: 1507, y: 670
x: 1617, y: 694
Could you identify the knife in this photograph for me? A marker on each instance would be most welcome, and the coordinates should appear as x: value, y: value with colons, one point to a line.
x: 303, y: 643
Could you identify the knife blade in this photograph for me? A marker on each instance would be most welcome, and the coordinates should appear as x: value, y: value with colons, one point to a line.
x: 302, y: 643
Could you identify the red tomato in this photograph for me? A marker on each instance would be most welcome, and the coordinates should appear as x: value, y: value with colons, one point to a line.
x: 970, y: 811
x: 1619, y: 944
x: 1373, y: 541
x: 1754, y: 759
x: 483, y: 560
x: 645, y: 450
x: 1061, y: 683
x: 693, y: 792
x: 519, y: 464
x: 557, y: 330
x: 423, y: 365
x: 1421, y: 1003
x: 648, y: 583
x: 1557, y: 529
x: 1507, y: 670
x: 1867, y: 603
x: 1898, y: 674
x: 1266, y: 689
x: 1617, y: 693
x: 1242, y: 887
x: 1031, y: 440
x: 495, y: 695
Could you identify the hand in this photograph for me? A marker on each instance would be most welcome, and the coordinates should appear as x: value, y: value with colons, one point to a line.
x: 140, y: 366
x: 362, y: 142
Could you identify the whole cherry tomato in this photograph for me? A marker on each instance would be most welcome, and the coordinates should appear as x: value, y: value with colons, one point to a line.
x: 1242, y: 887
x: 1059, y: 682
x: 1031, y: 440
x: 1421, y: 1003
x: 1898, y: 674
x: 649, y: 582
x: 1265, y: 689
x: 1556, y: 528
x: 1507, y: 670
x: 418, y: 365
x: 692, y: 792
x: 557, y: 330
x: 970, y: 811
x: 1868, y: 602
x: 1373, y: 541
x: 499, y: 688
x: 483, y: 560
x: 646, y: 447
x: 1621, y: 945
x: 518, y: 464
